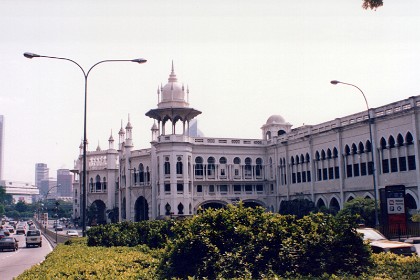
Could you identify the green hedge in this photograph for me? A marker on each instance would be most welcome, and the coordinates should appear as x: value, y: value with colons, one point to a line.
x: 151, y: 233
x: 75, y: 260
x: 239, y: 242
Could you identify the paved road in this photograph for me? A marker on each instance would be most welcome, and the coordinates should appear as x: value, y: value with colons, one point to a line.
x: 15, y: 263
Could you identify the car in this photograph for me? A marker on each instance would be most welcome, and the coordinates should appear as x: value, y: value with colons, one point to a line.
x: 58, y: 227
x: 2, y: 234
x: 6, y: 231
x: 20, y: 230
x: 8, y: 243
x: 10, y: 228
x: 379, y: 243
x: 72, y: 233
x: 33, y: 237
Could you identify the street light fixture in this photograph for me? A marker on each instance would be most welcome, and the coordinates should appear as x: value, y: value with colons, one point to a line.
x: 334, y: 82
x: 85, y: 74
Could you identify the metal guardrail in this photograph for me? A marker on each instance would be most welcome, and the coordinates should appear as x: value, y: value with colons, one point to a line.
x: 51, y: 235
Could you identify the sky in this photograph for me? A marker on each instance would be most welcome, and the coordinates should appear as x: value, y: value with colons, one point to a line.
x: 242, y: 60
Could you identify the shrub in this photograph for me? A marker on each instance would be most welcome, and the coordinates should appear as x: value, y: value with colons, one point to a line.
x: 151, y: 233
x: 239, y: 242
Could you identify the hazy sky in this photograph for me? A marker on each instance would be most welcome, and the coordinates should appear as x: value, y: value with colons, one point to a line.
x: 242, y: 60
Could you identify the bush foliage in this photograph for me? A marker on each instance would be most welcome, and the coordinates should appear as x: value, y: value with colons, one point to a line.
x: 75, y: 260
x: 235, y: 243
x: 239, y: 242
x: 151, y: 233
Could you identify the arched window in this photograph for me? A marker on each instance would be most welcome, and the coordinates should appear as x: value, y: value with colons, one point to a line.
x: 248, y: 167
x: 237, y: 160
x: 104, y: 183
x: 347, y: 150
x: 180, y: 209
x: 368, y: 147
x: 97, y: 183
x: 302, y: 159
x: 292, y: 160
x: 329, y: 153
x: 167, y: 166
x: 141, y: 173
x: 297, y: 159
x: 353, y: 149
x: 335, y: 152
x: 383, y: 143
x: 391, y: 142
x: 222, y: 160
x: 198, y: 166
x: 323, y: 155
x: 308, y: 158
x: 210, y: 166
x: 258, y: 167
x: 409, y: 138
x: 361, y: 148
x: 400, y: 140
x: 179, y: 167
x: 91, y: 184
x: 317, y: 155
x: 281, y: 132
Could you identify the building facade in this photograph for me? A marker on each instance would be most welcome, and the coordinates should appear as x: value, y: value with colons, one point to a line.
x: 64, y: 182
x: 20, y: 191
x: 181, y: 172
x: 41, y: 173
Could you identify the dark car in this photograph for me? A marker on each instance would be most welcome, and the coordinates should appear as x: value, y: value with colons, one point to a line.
x: 8, y: 243
x: 379, y: 243
x: 2, y: 234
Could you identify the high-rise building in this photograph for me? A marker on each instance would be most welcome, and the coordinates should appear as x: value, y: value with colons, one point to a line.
x: 64, y: 182
x: 41, y: 173
x: 48, y: 187
x: 1, y: 145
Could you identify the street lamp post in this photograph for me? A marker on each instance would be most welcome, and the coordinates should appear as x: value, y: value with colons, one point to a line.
x: 46, y: 204
x: 334, y: 82
x: 85, y: 74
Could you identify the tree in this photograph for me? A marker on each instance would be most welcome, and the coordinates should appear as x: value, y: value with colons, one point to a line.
x: 364, y: 207
x: 372, y: 4
x: 5, y: 198
x: 299, y: 207
x: 21, y: 206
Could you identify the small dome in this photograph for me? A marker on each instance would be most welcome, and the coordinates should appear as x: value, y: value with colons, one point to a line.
x: 173, y: 93
x: 276, y: 119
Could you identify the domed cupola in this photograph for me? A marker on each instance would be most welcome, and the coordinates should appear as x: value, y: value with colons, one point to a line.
x: 173, y: 93
x: 275, y: 126
x: 172, y: 108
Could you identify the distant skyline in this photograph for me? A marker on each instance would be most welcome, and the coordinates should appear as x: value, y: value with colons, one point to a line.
x: 242, y: 60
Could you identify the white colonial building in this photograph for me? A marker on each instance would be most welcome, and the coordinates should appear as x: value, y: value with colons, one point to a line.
x: 328, y: 163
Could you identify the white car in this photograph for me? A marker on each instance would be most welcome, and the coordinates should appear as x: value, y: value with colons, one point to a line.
x: 72, y: 233
x: 33, y: 237
x: 379, y: 243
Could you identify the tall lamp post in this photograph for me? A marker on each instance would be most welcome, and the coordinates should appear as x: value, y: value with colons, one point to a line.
x: 334, y: 82
x: 85, y: 74
x: 46, y: 203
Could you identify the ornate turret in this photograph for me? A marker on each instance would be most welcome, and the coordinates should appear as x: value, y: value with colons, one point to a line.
x: 172, y: 105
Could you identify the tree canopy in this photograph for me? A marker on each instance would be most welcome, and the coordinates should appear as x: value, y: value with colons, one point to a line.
x: 372, y: 4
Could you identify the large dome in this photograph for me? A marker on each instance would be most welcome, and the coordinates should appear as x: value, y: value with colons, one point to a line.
x: 276, y: 119
x: 173, y: 93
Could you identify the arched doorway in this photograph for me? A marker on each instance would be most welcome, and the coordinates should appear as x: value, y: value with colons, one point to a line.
x: 410, y: 203
x: 320, y: 203
x: 212, y: 205
x: 96, y: 213
x: 334, y: 205
x: 252, y: 204
x: 141, y: 209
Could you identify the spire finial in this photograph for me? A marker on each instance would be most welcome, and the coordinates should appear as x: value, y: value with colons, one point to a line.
x: 172, y: 66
